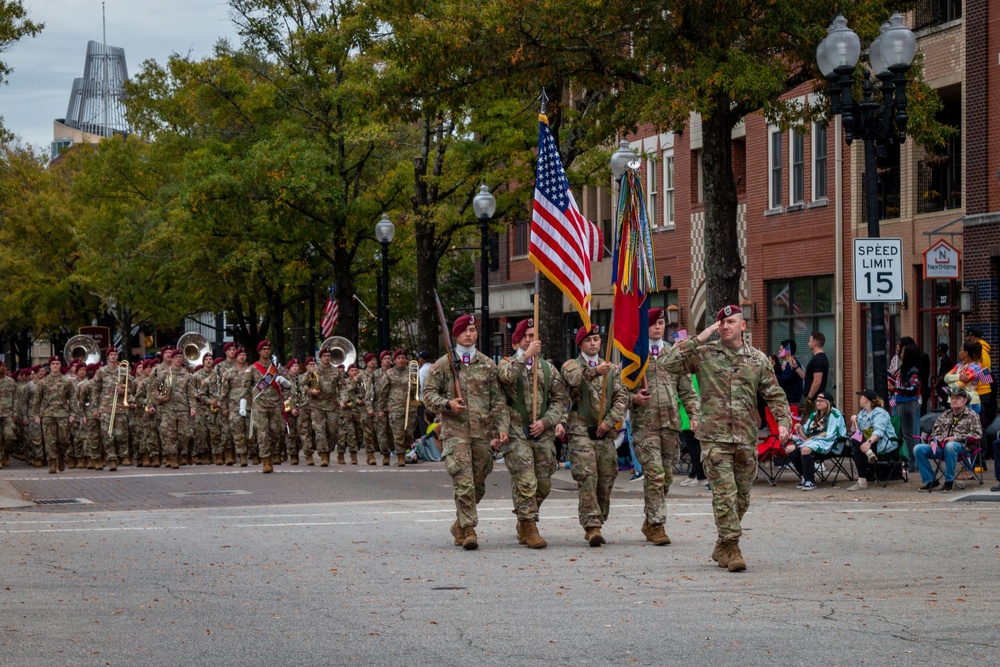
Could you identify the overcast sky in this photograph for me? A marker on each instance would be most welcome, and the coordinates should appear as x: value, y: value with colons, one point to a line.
x: 45, y: 66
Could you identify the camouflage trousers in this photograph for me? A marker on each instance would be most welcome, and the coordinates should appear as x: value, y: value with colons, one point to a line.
x: 116, y: 444
x: 368, y: 432
x: 594, y: 465
x: 208, y: 438
x: 656, y: 451
x: 290, y: 446
x: 7, y: 437
x: 57, y: 438
x: 468, y: 461
x: 89, y: 437
x: 530, y: 464
x: 147, y: 438
x: 383, y: 434
x: 731, y: 470
x: 33, y: 434
x: 324, y: 426
x: 306, y: 442
x: 400, y: 437
x: 268, y: 427
x: 352, y: 431
x: 175, y: 431
x: 340, y: 432
x: 238, y: 430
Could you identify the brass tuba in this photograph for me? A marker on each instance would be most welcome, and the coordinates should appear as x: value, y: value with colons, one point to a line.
x: 194, y: 347
x: 82, y: 348
x: 412, y: 378
x: 343, y: 352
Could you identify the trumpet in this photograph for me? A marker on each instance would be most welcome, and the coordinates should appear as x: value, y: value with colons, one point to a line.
x: 123, y: 368
x: 413, y: 379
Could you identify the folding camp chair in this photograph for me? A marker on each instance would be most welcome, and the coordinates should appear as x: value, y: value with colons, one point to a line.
x: 894, y: 463
x: 840, y: 462
x: 772, y: 462
x: 969, y: 466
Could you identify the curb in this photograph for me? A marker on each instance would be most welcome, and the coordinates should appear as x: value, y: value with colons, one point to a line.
x: 10, y: 498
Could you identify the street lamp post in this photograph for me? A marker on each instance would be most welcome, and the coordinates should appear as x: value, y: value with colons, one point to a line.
x: 384, y: 231
x: 877, y: 124
x: 484, y: 205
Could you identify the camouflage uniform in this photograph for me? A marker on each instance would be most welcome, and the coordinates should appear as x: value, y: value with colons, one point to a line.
x: 208, y: 424
x: 8, y: 391
x: 174, y: 397
x: 234, y: 386
x: 368, y: 420
x: 656, y: 431
x: 730, y: 381
x: 593, y: 463
x: 531, y: 461
x: 292, y: 439
x: 147, y: 439
x: 89, y: 434
x: 383, y: 436
x: 225, y: 431
x: 466, y: 435
x: 105, y: 391
x: 54, y: 403
x: 307, y: 442
x: 33, y: 431
x: 352, y: 395
x: 265, y: 405
x: 325, y: 406
x: 395, y: 395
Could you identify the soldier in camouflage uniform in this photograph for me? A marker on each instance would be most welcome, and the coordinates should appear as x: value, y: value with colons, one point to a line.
x: 731, y: 374
x: 8, y: 389
x: 293, y: 418
x: 592, y: 454
x: 656, y: 427
x: 209, y: 388
x: 352, y: 397
x: 396, y: 392
x: 109, y: 393
x: 234, y: 384
x: 54, y: 406
x: 368, y: 418
x: 143, y: 422
x: 472, y: 427
x: 531, y: 454
x: 263, y: 398
x: 174, y: 401
x: 383, y: 436
x: 303, y: 402
x: 33, y: 430
x: 88, y: 416
x: 324, y: 391
x: 228, y: 448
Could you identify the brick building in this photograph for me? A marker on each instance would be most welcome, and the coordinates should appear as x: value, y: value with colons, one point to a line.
x: 798, y: 216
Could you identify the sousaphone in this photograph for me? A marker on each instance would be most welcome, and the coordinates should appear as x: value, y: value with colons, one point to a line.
x: 82, y: 348
x: 194, y: 347
x: 342, y: 351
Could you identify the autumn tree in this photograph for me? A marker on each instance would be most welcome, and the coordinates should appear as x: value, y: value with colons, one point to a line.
x: 14, y: 26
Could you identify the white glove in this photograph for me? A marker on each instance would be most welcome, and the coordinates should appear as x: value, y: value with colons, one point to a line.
x: 283, y: 381
x: 243, y: 407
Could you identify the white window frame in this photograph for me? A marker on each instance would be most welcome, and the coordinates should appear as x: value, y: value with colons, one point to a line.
x: 816, y: 127
x: 774, y: 167
x: 651, y: 191
x: 794, y: 136
x: 668, y: 189
x: 701, y: 176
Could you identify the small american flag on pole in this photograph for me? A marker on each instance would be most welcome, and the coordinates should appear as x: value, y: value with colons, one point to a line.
x: 857, y: 437
x: 681, y: 335
x: 984, y: 376
x: 330, y: 313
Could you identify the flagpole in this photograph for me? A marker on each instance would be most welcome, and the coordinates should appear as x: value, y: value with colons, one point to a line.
x: 537, y: 362
x: 607, y: 357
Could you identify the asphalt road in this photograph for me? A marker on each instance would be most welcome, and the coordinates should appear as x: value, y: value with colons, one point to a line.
x: 354, y: 565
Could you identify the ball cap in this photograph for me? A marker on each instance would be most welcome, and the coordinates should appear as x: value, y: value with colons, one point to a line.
x: 974, y: 331
x: 868, y: 393
x: 728, y: 311
x: 958, y: 391
x: 521, y: 329
x: 583, y: 332
x: 461, y: 324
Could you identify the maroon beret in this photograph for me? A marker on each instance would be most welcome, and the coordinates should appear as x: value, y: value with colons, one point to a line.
x: 461, y: 324
x: 369, y: 357
x: 655, y: 314
x: 383, y: 354
x: 51, y: 359
x: 92, y: 367
x: 728, y: 311
x: 165, y: 349
x: 262, y: 344
x: 326, y: 350
x: 398, y: 353
x: 310, y: 360
x: 111, y: 349
x: 228, y: 346
x: 292, y: 362
x: 218, y: 360
x: 198, y: 368
x: 240, y: 350
x: 521, y: 329
x: 583, y: 332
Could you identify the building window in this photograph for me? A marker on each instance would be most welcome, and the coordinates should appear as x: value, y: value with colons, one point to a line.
x: 888, y: 179
x: 798, y: 307
x: 652, y: 182
x: 774, y: 163
x: 522, y: 231
x: 939, y: 176
x: 934, y: 12
x: 668, y: 188
x: 797, y: 148
x: 818, y: 162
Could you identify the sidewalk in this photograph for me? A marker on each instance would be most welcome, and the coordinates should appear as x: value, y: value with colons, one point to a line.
x: 10, y: 498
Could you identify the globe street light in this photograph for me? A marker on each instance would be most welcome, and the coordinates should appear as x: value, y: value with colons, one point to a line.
x: 484, y: 205
x: 877, y: 124
x: 384, y: 231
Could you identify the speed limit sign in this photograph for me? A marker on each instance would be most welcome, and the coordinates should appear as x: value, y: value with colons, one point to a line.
x: 878, y: 270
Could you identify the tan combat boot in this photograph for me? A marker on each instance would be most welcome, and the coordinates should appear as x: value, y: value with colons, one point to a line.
x: 531, y: 536
x: 324, y: 459
x: 99, y: 463
x: 371, y: 459
x: 217, y: 459
x: 645, y: 530
x: 61, y: 464
x: 593, y: 536
x: 458, y: 533
x: 254, y: 459
x: 144, y: 461
x: 295, y: 459
x: 113, y: 465
x: 658, y: 536
x: 154, y: 461
x: 91, y: 463
x: 354, y: 458
x: 401, y: 460
x: 243, y: 460
x: 736, y: 562
x: 340, y: 459
x: 720, y: 554
x: 267, y: 466
x: 175, y: 461
x: 385, y: 459
x: 520, y: 531
x: 471, y: 542
x: 227, y: 458
x: 52, y: 468
x: 309, y: 459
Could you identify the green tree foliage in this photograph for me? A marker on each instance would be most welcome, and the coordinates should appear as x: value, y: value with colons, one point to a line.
x: 14, y: 26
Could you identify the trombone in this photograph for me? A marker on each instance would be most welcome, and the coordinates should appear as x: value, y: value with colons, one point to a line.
x: 123, y: 369
x: 412, y: 379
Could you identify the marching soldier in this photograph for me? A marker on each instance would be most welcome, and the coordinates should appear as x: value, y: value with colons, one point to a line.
x: 53, y: 408
x: 229, y: 350
x: 324, y: 389
x: 292, y: 414
x: 234, y: 386
x: 395, y: 395
x: 8, y: 391
x: 531, y: 455
x: 88, y: 415
x: 303, y: 402
x: 368, y: 418
x: 471, y: 426
x: 656, y: 427
x: 262, y: 395
x: 383, y: 436
x: 108, y: 390
x: 731, y: 374
x: 352, y: 397
x: 174, y: 401
x: 592, y: 454
x: 33, y: 429
x: 146, y: 438
x: 209, y: 433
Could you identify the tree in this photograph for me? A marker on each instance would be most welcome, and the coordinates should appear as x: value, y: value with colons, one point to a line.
x: 14, y: 26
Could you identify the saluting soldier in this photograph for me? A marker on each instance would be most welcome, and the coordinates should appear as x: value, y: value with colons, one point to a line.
x: 53, y: 408
x: 234, y: 384
x: 395, y: 395
x: 531, y: 455
x: 8, y: 390
x: 656, y: 427
x: 324, y: 388
x: 592, y: 454
x: 367, y: 375
x: 263, y: 397
x: 174, y: 401
x: 731, y: 374
x: 472, y: 426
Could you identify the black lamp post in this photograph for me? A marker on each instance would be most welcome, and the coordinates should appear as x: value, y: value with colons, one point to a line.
x: 384, y: 231
x: 485, y: 205
x: 877, y: 124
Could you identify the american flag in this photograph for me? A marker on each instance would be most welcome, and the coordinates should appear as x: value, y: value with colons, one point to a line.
x: 563, y: 242
x: 681, y: 335
x: 857, y: 436
x: 330, y: 313
x: 983, y: 376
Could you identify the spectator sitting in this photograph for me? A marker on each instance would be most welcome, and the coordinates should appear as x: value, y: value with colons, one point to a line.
x: 875, y: 428
x: 822, y: 429
x: 790, y: 372
x: 954, y: 428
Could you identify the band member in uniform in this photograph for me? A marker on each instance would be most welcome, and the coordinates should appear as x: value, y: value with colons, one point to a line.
x: 382, y: 433
x: 174, y: 401
x: 395, y: 395
x: 592, y: 454
x: 324, y: 388
x: 304, y: 404
x: 264, y: 400
x: 531, y: 456
x: 656, y: 427
x: 292, y: 414
x: 53, y: 407
x: 209, y: 432
x: 234, y: 386
x: 352, y: 397
x: 368, y: 419
x: 8, y: 389
x: 109, y: 390
x: 472, y: 426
